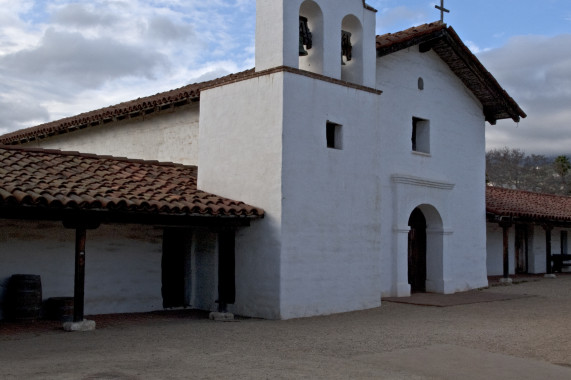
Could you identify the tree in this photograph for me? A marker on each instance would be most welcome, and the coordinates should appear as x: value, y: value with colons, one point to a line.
x: 513, y: 169
x: 561, y: 165
x: 503, y: 167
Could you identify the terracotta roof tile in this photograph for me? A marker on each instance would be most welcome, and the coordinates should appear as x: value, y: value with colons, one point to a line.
x: 528, y: 205
x: 133, y: 108
x: 69, y: 180
x: 385, y: 41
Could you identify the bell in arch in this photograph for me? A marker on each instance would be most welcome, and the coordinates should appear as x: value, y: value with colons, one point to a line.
x: 305, y: 37
x: 302, y: 51
x: 346, y: 47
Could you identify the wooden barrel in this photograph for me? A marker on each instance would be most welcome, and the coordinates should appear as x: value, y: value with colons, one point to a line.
x: 24, y: 297
x: 60, y: 309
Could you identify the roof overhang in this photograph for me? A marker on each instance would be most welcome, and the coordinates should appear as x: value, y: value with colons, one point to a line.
x: 443, y: 40
x: 72, y: 217
x: 525, y: 207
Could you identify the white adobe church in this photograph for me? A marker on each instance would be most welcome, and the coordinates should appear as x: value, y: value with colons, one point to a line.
x: 366, y: 154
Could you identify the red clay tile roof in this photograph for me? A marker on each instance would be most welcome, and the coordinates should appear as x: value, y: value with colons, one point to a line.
x: 447, y: 44
x: 394, y: 40
x: 69, y: 180
x: 134, y: 108
x: 527, y: 205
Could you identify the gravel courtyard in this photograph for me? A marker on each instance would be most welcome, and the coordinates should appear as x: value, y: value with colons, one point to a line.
x: 521, y: 337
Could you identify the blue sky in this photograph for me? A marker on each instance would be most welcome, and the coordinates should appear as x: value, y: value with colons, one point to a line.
x: 59, y: 58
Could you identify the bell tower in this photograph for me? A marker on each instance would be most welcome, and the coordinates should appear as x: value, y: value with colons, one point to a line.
x: 341, y: 36
x: 281, y: 139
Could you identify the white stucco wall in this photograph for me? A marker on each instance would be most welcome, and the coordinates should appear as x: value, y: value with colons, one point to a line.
x: 241, y: 158
x: 331, y: 198
x: 494, y: 249
x: 169, y: 136
x: 123, y: 263
x: 309, y: 255
x: 335, y: 233
x: 449, y: 180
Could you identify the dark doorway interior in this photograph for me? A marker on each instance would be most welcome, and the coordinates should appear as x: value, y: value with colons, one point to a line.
x: 417, y: 252
x: 173, y: 268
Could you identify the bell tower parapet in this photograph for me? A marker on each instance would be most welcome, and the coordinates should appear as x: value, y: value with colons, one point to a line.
x: 282, y: 28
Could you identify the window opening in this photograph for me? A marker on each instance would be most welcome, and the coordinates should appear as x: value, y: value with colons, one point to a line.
x: 564, y: 242
x: 420, y: 135
x: 333, y: 135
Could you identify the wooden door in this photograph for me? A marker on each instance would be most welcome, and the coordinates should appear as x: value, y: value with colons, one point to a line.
x: 417, y: 252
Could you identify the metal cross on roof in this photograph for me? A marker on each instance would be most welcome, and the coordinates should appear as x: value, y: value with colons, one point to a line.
x: 442, y: 10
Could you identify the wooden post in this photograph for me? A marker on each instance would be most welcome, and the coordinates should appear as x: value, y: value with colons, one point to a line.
x: 79, y: 284
x: 548, y: 258
x: 506, y: 227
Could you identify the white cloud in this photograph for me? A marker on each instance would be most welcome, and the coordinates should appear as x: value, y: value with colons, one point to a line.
x: 83, y: 16
x: 536, y: 71
x: 62, y: 57
x: 70, y: 58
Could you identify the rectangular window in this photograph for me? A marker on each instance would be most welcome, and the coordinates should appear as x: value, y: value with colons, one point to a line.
x: 420, y: 135
x: 564, y: 242
x: 334, y: 135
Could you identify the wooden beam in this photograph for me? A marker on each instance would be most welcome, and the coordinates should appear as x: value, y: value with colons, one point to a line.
x: 430, y: 39
x: 73, y: 217
x: 506, y: 224
x: 449, y: 41
x: 79, y: 281
x: 548, y: 258
x: 427, y: 46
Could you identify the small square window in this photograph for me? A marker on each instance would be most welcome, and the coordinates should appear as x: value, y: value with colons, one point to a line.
x: 420, y: 135
x: 334, y: 135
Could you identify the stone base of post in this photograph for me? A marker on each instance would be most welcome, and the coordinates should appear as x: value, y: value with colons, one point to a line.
x: 84, y: 325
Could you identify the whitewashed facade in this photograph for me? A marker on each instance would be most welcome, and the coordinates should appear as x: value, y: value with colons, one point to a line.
x: 336, y: 228
x: 169, y: 136
x: 329, y: 158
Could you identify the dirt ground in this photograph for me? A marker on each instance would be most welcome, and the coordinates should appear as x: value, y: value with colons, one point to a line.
x: 520, y: 337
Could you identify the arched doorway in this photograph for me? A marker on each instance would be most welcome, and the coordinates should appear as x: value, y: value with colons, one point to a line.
x: 417, y: 251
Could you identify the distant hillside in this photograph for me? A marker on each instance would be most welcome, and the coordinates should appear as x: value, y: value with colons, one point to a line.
x: 514, y: 169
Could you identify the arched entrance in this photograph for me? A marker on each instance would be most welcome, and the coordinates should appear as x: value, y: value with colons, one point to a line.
x: 417, y: 251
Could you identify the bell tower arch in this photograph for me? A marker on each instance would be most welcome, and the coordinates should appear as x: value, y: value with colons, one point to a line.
x: 352, y: 50
x: 311, y: 18
x: 279, y: 41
